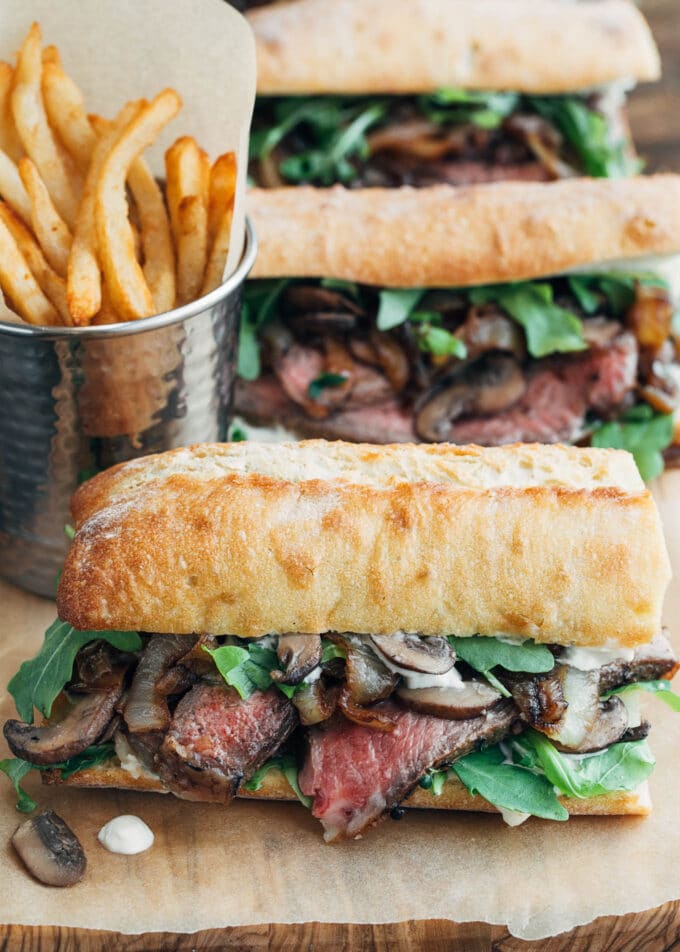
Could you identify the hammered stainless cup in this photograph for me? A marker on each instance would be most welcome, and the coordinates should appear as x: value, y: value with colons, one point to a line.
x: 74, y: 401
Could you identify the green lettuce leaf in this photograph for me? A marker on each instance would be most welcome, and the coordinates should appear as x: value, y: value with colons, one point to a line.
x: 589, y: 134
x: 39, y: 680
x: 643, y: 433
x: 259, y: 300
x: 319, y: 384
x: 17, y: 769
x: 622, y: 766
x: 287, y: 765
x: 450, y: 106
x: 396, y: 305
x: 508, y: 786
x: 662, y: 689
x: 483, y: 654
x: 549, y: 329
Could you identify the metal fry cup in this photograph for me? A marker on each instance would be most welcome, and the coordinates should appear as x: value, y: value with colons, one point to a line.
x: 74, y: 401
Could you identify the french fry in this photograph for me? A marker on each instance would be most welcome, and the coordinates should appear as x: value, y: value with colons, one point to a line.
x: 84, y: 282
x: 159, y: 259
x: 12, y: 188
x: 50, y: 283
x: 187, y: 175
x: 50, y: 229
x: 220, y: 215
x: 6, y: 313
x: 35, y: 133
x: 66, y: 110
x: 222, y: 191
x: 9, y: 140
x: 130, y: 293
x: 192, y: 247
x: 18, y: 283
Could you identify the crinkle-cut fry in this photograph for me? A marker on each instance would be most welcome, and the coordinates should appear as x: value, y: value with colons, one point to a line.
x: 84, y: 280
x: 65, y: 109
x: 35, y: 133
x: 12, y: 188
x: 48, y: 279
x: 130, y: 293
x: 49, y: 227
x: 18, y: 283
x: 159, y: 258
x: 222, y: 191
x: 220, y: 216
x: 192, y: 248
x: 9, y: 139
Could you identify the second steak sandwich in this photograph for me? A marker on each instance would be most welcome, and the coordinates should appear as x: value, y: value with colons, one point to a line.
x: 358, y: 626
x: 418, y: 92
x: 490, y: 314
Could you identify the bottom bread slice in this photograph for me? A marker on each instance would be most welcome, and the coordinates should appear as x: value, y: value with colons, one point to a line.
x: 454, y: 796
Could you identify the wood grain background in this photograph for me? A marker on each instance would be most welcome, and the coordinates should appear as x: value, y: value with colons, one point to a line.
x: 655, y: 118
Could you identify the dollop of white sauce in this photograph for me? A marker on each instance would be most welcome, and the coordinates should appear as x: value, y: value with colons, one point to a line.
x: 126, y: 834
x: 513, y: 817
x: 588, y: 659
x: 313, y: 675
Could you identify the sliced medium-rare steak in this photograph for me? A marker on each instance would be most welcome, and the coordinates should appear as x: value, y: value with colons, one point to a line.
x: 216, y: 740
x: 650, y: 663
x: 356, y: 774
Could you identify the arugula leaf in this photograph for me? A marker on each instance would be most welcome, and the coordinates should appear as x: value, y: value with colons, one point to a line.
x: 39, y: 680
x: 330, y: 651
x: 248, y: 669
x: 549, y: 329
x: 450, y: 106
x: 348, y: 288
x: 259, y: 300
x: 589, y: 133
x: 237, y: 435
x: 16, y: 770
x: 507, y: 785
x: 287, y: 765
x: 643, y: 433
x: 483, y: 653
x: 662, y: 689
x: 621, y: 766
x: 319, y: 384
x: 69, y: 531
x: 434, y: 339
x: 396, y: 304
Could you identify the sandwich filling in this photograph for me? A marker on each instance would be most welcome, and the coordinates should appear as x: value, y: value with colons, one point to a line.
x: 453, y: 136
x: 575, y: 358
x: 355, y: 723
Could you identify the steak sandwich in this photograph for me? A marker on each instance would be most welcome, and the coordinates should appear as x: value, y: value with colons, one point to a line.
x: 364, y: 628
x: 416, y: 92
x: 492, y: 314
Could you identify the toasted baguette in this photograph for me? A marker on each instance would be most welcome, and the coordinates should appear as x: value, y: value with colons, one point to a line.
x: 454, y: 796
x: 560, y: 544
x: 444, y: 236
x: 415, y: 46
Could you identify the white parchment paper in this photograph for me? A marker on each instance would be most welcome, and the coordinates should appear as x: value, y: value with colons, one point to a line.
x: 118, y: 50
x: 255, y: 863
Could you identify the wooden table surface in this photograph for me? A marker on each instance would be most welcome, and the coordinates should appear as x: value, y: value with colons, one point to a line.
x: 655, y: 118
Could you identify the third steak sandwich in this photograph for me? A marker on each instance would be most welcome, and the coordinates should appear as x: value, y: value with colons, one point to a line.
x: 488, y: 314
x: 418, y: 92
x: 365, y: 628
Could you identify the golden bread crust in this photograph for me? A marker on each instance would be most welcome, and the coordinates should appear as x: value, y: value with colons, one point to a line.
x: 454, y: 796
x: 414, y: 46
x: 559, y: 544
x: 444, y: 236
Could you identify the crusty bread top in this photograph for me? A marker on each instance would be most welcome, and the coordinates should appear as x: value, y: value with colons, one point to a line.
x: 413, y: 46
x: 560, y: 544
x: 445, y: 236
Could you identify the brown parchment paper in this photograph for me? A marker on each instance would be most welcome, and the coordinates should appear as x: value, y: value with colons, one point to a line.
x: 118, y: 50
x: 266, y: 862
